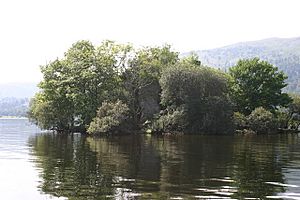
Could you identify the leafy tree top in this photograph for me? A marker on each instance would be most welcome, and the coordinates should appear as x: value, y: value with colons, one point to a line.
x: 257, y: 83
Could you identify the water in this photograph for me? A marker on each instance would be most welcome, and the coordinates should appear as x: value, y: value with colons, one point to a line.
x: 18, y: 175
x: 35, y: 165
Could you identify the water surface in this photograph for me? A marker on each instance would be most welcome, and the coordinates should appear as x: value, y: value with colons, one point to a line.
x: 35, y: 165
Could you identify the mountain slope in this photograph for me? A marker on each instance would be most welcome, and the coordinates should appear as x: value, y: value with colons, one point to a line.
x: 15, y: 97
x: 281, y: 52
x: 11, y: 106
x: 18, y: 90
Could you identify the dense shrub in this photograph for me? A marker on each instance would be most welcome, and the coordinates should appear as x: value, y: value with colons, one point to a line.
x: 171, y: 120
x: 294, y: 112
x: 111, y: 118
x: 202, y: 92
x: 160, y: 91
x: 239, y: 120
x: 257, y: 83
x: 217, y: 116
x: 47, y: 115
x: 262, y: 121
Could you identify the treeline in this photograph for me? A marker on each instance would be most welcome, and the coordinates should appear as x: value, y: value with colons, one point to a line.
x: 11, y: 106
x: 114, y: 88
x: 281, y: 52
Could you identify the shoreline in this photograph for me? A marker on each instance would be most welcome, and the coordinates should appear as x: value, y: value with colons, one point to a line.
x: 12, y: 117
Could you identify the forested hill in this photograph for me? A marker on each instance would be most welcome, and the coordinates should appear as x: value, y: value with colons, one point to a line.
x: 11, y: 106
x: 283, y: 53
x: 15, y: 97
x: 18, y: 90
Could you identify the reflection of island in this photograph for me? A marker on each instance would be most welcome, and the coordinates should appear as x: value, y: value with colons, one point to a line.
x: 69, y: 168
x: 257, y: 161
x: 160, y: 167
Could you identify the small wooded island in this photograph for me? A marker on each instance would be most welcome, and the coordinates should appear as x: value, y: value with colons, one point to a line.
x: 115, y: 88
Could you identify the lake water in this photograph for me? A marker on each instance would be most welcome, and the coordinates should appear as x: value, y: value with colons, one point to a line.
x: 39, y: 165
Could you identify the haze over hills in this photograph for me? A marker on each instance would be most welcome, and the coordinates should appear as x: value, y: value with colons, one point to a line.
x: 281, y: 52
x: 15, y: 97
x: 18, y: 90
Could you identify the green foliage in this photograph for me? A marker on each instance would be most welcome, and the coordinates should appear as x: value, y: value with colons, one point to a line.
x: 74, y: 86
x: 214, y: 116
x: 283, y: 117
x: 294, y: 106
x: 111, y: 118
x: 257, y: 83
x: 47, y: 115
x: 192, y: 59
x: 141, y: 80
x: 155, y: 85
x: 239, y: 120
x: 281, y: 52
x: 202, y: 92
x: 187, y: 83
x: 262, y: 121
x: 171, y: 120
x: 93, y: 76
x: 294, y: 112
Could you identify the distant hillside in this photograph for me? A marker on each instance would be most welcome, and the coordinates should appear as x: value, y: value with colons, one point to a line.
x: 283, y: 53
x: 11, y: 106
x: 18, y: 90
x: 15, y: 97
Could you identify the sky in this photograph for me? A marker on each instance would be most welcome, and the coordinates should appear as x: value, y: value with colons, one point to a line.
x: 34, y: 32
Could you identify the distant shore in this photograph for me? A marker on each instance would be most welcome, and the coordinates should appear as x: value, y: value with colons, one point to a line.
x: 12, y: 117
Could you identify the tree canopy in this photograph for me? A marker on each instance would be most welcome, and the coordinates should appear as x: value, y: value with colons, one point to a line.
x: 113, y: 87
x: 74, y: 86
x: 257, y: 83
x: 199, y: 95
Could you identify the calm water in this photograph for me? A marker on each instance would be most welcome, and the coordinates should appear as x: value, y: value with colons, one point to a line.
x: 35, y: 165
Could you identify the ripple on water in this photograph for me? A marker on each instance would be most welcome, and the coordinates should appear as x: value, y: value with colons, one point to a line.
x: 292, y: 196
x: 212, y: 197
x: 151, y: 168
x: 282, y: 184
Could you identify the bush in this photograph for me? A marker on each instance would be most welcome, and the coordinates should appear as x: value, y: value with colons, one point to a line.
x: 111, y: 118
x: 171, y: 120
x: 294, y: 112
x: 262, y: 121
x: 213, y: 115
x: 239, y: 120
x: 257, y: 83
x: 199, y: 95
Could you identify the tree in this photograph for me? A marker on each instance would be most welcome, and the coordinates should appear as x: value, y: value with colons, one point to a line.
x: 188, y: 83
x: 111, y: 118
x: 141, y: 80
x: 290, y: 116
x: 199, y: 95
x: 257, y: 83
x: 50, y: 113
x: 294, y: 106
x: 262, y: 121
x: 192, y: 59
x: 75, y: 86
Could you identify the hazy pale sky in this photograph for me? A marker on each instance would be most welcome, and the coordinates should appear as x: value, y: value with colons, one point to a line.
x: 34, y: 32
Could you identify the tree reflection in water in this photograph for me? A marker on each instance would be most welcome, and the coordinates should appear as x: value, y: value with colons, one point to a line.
x: 143, y: 167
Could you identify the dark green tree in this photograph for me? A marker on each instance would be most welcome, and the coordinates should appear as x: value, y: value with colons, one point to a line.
x: 141, y: 80
x: 256, y: 84
x: 52, y: 107
x: 293, y: 112
x: 111, y: 118
x: 75, y: 86
x: 262, y: 121
x: 195, y: 99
